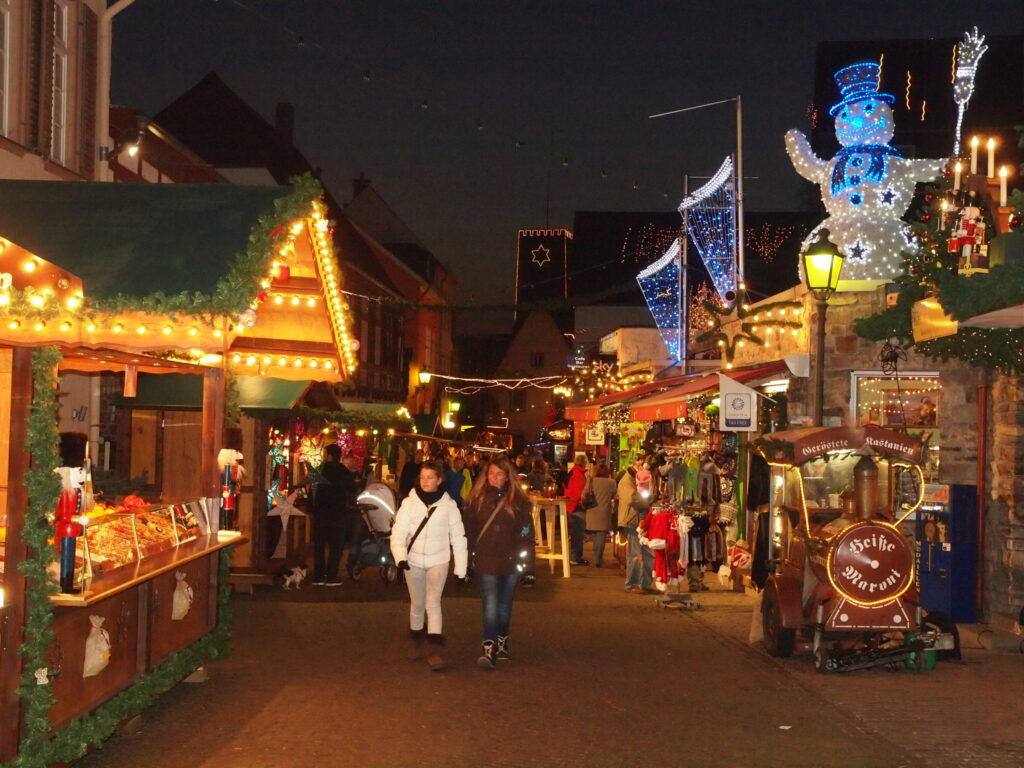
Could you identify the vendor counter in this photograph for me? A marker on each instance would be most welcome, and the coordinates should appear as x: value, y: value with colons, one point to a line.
x: 140, y: 614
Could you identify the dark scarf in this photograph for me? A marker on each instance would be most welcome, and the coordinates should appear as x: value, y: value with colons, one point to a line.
x: 876, y: 164
x: 429, y: 498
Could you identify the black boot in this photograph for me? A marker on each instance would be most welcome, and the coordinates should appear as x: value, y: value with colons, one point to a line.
x: 486, y: 660
x: 416, y: 637
x: 503, y: 651
x: 434, y: 657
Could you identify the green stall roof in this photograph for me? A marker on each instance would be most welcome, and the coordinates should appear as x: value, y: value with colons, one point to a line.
x: 135, y: 239
x: 177, y: 390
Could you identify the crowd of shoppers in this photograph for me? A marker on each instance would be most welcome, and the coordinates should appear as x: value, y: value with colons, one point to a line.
x: 476, y: 512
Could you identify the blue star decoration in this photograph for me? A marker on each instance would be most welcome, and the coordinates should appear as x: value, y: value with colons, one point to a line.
x: 541, y: 255
x: 888, y: 197
x: 858, y: 251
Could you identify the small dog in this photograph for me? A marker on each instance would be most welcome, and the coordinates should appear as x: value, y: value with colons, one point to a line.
x: 294, y: 577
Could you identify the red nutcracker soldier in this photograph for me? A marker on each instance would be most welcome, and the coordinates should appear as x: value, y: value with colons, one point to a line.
x: 67, y: 530
x: 968, y: 242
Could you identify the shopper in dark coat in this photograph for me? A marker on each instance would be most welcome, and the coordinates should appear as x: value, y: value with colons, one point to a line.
x: 334, y: 517
x: 499, y: 529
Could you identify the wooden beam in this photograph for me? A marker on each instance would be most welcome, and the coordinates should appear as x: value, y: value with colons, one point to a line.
x: 12, y: 626
x: 213, y: 431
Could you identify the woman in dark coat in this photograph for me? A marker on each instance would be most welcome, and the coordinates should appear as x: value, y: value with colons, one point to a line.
x: 499, y: 529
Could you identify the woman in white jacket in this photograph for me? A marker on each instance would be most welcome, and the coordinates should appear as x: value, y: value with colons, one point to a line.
x: 429, y: 510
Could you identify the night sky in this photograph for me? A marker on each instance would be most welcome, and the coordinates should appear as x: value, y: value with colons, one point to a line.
x: 571, y: 80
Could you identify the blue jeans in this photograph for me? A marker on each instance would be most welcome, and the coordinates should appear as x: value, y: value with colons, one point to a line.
x: 496, y: 592
x: 639, y: 562
x: 577, y: 525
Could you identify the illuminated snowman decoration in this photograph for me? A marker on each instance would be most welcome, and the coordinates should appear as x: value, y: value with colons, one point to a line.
x: 868, y: 185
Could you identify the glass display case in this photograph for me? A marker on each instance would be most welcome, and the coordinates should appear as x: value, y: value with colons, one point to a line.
x: 108, y: 542
x: 155, y: 529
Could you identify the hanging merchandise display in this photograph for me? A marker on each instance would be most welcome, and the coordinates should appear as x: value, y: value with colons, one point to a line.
x: 868, y: 185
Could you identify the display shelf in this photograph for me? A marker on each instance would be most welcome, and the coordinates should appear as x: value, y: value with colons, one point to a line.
x: 107, y: 584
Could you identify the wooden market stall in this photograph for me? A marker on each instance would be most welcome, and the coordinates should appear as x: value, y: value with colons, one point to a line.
x: 99, y: 284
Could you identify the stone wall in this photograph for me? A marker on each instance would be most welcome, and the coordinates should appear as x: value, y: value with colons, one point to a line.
x: 845, y: 352
x: 1004, y: 531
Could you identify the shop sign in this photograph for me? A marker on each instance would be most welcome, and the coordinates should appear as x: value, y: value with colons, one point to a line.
x: 595, y: 435
x: 738, y: 406
x: 880, y: 440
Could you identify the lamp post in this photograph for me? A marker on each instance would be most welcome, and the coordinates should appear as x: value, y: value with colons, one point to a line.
x: 823, y: 262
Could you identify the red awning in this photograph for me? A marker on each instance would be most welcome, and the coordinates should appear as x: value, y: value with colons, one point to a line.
x: 590, y: 411
x: 671, y: 404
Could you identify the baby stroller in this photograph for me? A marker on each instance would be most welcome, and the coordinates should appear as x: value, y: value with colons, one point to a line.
x: 377, y: 506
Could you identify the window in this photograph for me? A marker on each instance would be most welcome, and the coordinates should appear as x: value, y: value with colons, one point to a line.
x: 58, y: 132
x: 536, y: 359
x: 911, y: 402
x: 5, y: 57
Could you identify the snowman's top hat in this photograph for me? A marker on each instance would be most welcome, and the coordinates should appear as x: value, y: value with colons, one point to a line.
x: 858, y: 82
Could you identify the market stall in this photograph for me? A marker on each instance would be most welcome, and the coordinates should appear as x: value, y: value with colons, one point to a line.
x: 208, y: 281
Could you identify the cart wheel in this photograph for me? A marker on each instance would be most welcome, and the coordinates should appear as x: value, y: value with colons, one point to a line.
x: 389, y: 573
x: 357, y: 572
x: 941, y: 621
x: 778, y: 640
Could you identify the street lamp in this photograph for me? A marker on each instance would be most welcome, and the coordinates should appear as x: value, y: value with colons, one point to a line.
x: 424, y: 377
x: 823, y: 262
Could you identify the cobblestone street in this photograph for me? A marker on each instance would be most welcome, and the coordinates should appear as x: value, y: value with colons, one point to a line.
x: 599, y: 678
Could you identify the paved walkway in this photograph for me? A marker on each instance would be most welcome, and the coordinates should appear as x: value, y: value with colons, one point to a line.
x: 599, y: 678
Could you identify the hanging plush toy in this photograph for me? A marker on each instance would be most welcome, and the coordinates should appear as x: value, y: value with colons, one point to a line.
x: 868, y: 185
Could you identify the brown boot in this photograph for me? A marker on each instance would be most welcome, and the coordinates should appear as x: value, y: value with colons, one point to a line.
x: 416, y: 650
x: 435, y: 645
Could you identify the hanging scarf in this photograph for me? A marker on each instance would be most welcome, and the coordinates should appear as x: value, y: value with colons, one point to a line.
x: 875, y: 171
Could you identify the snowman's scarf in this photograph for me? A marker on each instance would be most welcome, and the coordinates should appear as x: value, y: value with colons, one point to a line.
x: 876, y: 164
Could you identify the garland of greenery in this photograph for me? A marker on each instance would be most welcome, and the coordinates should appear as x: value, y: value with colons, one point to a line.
x: 962, y: 297
x: 40, y: 747
x: 748, y: 332
x: 354, y: 418
x: 232, y: 402
x: 43, y: 486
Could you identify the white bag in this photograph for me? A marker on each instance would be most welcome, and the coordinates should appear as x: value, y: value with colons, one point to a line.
x: 653, y: 544
x: 181, y: 602
x: 725, y: 575
x: 97, y: 648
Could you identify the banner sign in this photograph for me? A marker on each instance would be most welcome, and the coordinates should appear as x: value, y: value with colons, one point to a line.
x: 738, y: 409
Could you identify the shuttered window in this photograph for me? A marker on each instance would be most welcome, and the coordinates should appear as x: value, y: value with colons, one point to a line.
x: 59, y: 80
x: 5, y: 64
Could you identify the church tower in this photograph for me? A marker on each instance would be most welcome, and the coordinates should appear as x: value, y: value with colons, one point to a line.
x: 542, y: 274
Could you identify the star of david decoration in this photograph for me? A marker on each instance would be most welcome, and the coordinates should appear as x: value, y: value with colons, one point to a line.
x: 541, y: 255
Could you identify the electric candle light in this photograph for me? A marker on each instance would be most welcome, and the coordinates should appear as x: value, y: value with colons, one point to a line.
x: 1002, y: 186
x: 956, y: 176
x: 974, y: 154
x: 991, y: 158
